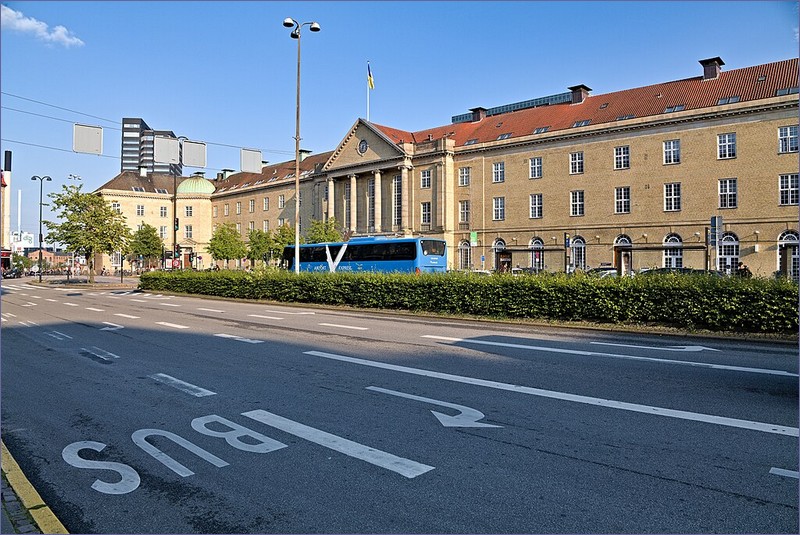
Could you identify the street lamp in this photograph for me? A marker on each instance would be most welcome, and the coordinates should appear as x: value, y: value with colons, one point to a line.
x: 314, y: 27
x: 41, y: 180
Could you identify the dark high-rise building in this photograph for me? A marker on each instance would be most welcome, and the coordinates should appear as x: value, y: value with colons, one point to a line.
x: 138, y: 144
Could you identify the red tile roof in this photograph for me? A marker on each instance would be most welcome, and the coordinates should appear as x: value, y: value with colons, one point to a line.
x: 270, y: 174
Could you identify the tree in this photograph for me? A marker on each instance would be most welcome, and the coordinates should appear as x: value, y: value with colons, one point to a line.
x: 259, y: 245
x: 21, y: 261
x: 323, y: 231
x: 90, y: 226
x: 227, y: 244
x: 146, y: 243
x: 281, y: 237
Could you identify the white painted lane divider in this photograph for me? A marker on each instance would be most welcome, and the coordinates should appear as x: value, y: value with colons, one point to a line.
x: 58, y: 335
x: 29, y: 304
x: 344, y: 326
x: 290, y: 313
x: 111, y: 326
x: 51, y: 300
x: 211, y: 310
x: 239, y: 338
x: 399, y: 465
x: 169, y: 304
x: 690, y: 349
x: 95, y: 309
x: 173, y: 325
x: 263, y: 317
x: 71, y: 304
x: 612, y: 355
x: 127, y: 316
x: 608, y: 403
x: 183, y: 386
x: 468, y: 416
x: 784, y: 473
x: 139, y: 300
x: 102, y: 354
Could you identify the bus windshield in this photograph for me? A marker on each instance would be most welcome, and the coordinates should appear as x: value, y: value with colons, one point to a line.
x: 432, y: 247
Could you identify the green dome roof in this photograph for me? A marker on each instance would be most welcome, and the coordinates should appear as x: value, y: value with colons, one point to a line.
x: 196, y: 184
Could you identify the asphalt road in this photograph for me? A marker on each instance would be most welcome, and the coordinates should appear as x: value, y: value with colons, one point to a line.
x: 141, y: 413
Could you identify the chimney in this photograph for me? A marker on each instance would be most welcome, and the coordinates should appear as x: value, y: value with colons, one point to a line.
x: 711, y: 67
x: 226, y: 173
x: 304, y: 154
x: 478, y: 114
x: 143, y: 171
x: 579, y: 93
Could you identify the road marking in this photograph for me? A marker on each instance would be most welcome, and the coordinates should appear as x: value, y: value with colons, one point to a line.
x: 113, y: 326
x: 614, y: 355
x: 240, y: 339
x: 98, y: 353
x: 58, y: 335
x: 36, y: 297
x: 2, y: 320
x: 182, y: 385
x: 290, y: 313
x: 70, y: 304
x: 344, y: 326
x: 173, y: 325
x: 404, y: 467
x: 95, y: 309
x: 468, y: 418
x: 211, y: 310
x: 51, y: 300
x: 127, y: 316
x: 264, y: 317
x: 564, y: 396
x: 170, y: 305
x: 29, y: 304
x: 9, y: 314
x: 785, y: 473
x: 692, y: 349
x: 139, y: 300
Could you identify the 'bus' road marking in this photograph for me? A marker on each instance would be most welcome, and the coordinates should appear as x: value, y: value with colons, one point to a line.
x: 344, y: 326
x: 264, y: 317
x: 609, y: 403
x: 170, y: 305
x: 784, y: 473
x: 613, y: 355
x: 240, y: 339
x: 173, y: 325
x: 95, y: 309
x: 404, y: 467
x: 211, y: 310
x: 127, y: 316
x: 182, y: 385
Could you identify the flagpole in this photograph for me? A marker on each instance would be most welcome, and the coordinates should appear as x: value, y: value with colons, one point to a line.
x: 368, y: 91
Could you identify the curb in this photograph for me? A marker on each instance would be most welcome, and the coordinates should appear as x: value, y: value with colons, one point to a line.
x: 42, y: 516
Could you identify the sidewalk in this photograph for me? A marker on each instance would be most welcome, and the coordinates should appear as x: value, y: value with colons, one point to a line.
x: 15, y: 518
x: 24, y: 511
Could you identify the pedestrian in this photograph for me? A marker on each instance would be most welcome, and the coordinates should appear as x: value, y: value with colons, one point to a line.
x: 743, y: 271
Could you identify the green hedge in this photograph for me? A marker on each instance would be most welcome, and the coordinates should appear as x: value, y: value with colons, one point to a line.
x: 689, y: 302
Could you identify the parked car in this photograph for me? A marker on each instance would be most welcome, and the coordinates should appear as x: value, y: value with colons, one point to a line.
x: 12, y: 273
x: 482, y: 272
x: 603, y: 272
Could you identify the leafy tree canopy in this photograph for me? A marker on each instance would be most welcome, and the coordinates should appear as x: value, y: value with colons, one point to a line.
x: 226, y: 243
x: 259, y: 245
x: 323, y: 231
x: 146, y: 242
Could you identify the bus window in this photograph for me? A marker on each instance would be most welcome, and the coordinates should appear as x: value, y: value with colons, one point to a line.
x: 432, y: 247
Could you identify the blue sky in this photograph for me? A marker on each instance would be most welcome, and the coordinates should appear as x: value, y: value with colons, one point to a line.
x: 225, y: 72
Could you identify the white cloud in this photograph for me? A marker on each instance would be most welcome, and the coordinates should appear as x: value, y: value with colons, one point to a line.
x: 15, y: 20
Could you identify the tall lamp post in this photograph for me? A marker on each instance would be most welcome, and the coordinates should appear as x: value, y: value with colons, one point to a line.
x: 314, y: 27
x: 41, y: 180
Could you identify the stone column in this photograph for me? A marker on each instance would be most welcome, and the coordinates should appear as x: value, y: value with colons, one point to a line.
x: 353, y: 203
x: 406, y: 222
x: 377, y: 201
x: 331, y: 211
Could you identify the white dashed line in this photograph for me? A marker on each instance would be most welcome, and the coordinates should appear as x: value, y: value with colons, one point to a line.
x: 173, y: 325
x: 182, y: 385
x: 170, y: 305
x: 95, y: 309
x: 264, y: 317
x: 784, y: 473
x: 211, y: 310
x: 344, y: 326
x: 127, y: 316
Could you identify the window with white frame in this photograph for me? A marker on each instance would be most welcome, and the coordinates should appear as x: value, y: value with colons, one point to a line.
x: 499, y: 208
x: 239, y: 228
x: 788, y: 257
x: 265, y: 204
x: 622, y: 200
x: 727, y: 193
x: 215, y: 211
x: 162, y: 232
x: 578, y: 246
x: 787, y: 189
x: 162, y: 211
x: 576, y: 163
x: 187, y: 231
x: 371, y: 204
x: 464, y: 176
x: 576, y: 207
x: 673, y: 251
x: 672, y: 151
x: 425, y: 179
x: 251, y: 226
x: 535, y: 206
x: 116, y: 207
x: 498, y: 172
x: 265, y: 225
x: 536, y: 167
x: 726, y: 146
x: 281, y: 201
x: 397, y: 200
x: 672, y: 197
x: 187, y: 211
x: 139, y: 210
x: 464, y: 255
x: 622, y: 157
x: 238, y: 208
x: 537, y: 254
x: 252, y: 205
x: 728, y: 253
x: 281, y: 221
x: 425, y: 210
x: 226, y: 209
x: 787, y: 139
x: 463, y: 211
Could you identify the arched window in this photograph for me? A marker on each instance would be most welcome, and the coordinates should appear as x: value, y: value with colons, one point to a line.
x: 498, y: 247
x: 728, y: 253
x: 788, y: 258
x: 578, y: 253
x: 623, y: 240
x: 673, y: 251
x: 464, y: 255
x: 537, y: 254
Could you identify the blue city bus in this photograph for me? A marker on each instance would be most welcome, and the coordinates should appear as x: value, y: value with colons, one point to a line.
x: 404, y: 255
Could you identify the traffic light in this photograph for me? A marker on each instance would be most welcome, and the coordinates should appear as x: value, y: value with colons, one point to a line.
x: 177, y: 225
x: 177, y: 250
x: 191, y: 258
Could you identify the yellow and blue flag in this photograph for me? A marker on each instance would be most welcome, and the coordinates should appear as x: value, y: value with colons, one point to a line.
x: 370, y: 81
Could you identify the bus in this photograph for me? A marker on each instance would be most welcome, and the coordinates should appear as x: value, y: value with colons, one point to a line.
x: 378, y: 253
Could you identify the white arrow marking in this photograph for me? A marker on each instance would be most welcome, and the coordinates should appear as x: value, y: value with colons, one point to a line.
x: 468, y: 418
x: 239, y: 338
x: 614, y: 355
x: 113, y: 326
x: 404, y: 467
x: 564, y: 396
x: 785, y: 473
x: 689, y: 349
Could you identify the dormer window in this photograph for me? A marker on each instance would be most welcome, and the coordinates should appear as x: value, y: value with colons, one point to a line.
x: 471, y: 141
x: 679, y: 107
x: 584, y: 122
x: 604, y: 105
x: 161, y: 190
x: 727, y: 100
x: 625, y: 117
x: 137, y: 188
x: 541, y: 130
x: 504, y: 136
x: 786, y: 91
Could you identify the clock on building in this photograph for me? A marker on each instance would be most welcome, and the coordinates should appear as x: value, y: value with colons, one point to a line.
x: 363, y: 146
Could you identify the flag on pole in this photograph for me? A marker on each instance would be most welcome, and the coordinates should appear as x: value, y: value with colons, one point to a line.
x: 370, y: 81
